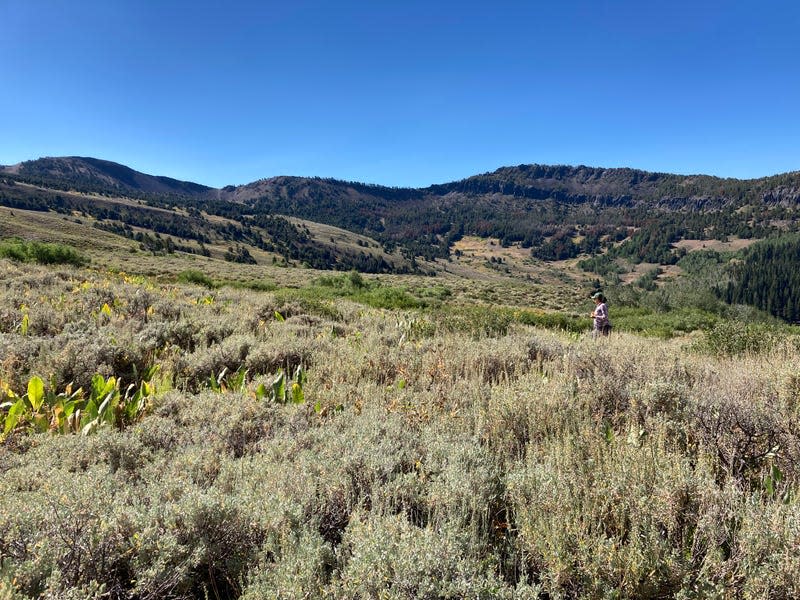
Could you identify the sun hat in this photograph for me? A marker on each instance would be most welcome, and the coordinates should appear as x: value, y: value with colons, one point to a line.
x: 597, y: 295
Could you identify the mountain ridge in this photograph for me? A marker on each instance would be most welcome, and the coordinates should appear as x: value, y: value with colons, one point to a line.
x: 557, y: 211
x: 98, y: 175
x: 569, y: 183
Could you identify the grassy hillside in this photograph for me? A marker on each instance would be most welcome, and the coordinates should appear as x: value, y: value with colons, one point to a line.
x: 552, y: 212
x: 348, y: 436
x: 163, y: 227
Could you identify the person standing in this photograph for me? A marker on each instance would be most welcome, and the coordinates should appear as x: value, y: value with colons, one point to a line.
x: 602, y: 324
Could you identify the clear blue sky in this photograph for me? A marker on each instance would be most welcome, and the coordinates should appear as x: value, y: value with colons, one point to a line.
x: 404, y: 93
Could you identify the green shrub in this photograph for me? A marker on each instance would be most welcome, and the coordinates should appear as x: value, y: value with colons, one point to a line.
x: 663, y: 324
x: 42, y: 253
x: 289, y: 302
x: 369, y: 292
x: 298, y: 566
x: 735, y: 338
x: 197, y: 278
x: 261, y: 286
x: 553, y: 320
x: 389, y: 298
x: 475, y: 320
x: 613, y: 518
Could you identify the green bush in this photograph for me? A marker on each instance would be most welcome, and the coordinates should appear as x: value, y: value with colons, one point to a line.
x: 389, y: 298
x: 475, y: 320
x: 290, y: 302
x: 42, y: 253
x: 261, y: 286
x: 197, y: 278
x: 387, y: 557
x: 663, y: 324
x: 736, y: 338
x: 553, y: 320
x: 369, y: 292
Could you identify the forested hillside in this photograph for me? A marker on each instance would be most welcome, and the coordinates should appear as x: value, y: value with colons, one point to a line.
x: 769, y: 278
x: 609, y: 220
x: 160, y: 225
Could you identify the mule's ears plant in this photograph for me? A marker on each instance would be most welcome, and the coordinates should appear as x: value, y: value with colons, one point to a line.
x: 223, y: 382
x: 14, y: 407
x: 39, y: 410
x: 108, y: 406
x: 102, y: 405
x: 25, y: 323
x: 137, y: 399
x: 283, y: 390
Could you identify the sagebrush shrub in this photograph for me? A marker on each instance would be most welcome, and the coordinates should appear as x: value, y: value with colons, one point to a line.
x: 739, y: 423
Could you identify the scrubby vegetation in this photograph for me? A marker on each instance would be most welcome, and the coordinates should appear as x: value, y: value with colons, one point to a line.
x: 342, y: 441
x: 40, y: 252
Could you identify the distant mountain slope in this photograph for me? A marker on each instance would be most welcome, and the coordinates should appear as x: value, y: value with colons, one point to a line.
x: 625, y: 186
x: 86, y: 174
x: 557, y: 211
x: 537, y: 182
x: 529, y: 204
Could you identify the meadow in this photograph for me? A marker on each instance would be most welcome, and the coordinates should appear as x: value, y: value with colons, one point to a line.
x: 181, y: 435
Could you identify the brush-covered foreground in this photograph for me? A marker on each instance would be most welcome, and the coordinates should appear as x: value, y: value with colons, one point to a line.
x: 440, y: 453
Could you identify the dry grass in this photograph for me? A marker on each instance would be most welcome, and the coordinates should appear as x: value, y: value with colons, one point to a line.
x: 328, y: 235
x: 718, y: 246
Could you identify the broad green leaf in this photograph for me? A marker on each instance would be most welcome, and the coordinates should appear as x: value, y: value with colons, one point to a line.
x: 70, y: 406
x: 279, y: 316
x: 51, y: 398
x: 261, y: 392
x: 237, y: 381
x: 212, y: 383
x: 98, y: 385
x: 132, y: 406
x: 106, y: 412
x: 36, y: 393
x: 297, y: 393
x: 89, y: 412
x: 279, y: 388
x: 300, y: 375
x: 111, y: 384
x: 149, y: 372
x: 13, y: 416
